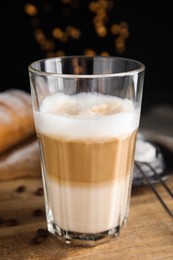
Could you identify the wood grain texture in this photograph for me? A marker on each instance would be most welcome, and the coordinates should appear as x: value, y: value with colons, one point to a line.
x: 148, y: 234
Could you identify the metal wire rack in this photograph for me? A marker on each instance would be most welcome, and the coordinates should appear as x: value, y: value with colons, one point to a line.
x: 156, y: 172
x: 158, y: 179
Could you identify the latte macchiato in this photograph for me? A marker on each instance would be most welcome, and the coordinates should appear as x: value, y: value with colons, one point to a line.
x: 87, y: 145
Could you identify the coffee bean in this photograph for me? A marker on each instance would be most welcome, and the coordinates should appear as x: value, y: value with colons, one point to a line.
x: 43, y: 232
x: 1, y: 221
x: 39, y: 191
x: 11, y: 222
x: 37, y: 239
x: 40, y: 236
x: 37, y: 212
x: 21, y: 188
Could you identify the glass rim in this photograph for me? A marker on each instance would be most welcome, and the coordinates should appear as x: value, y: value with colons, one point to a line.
x: 106, y: 75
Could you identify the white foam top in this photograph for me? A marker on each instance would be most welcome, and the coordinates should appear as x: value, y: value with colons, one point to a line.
x: 86, y: 115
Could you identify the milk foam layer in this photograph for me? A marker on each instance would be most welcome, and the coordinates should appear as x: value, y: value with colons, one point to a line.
x: 86, y: 115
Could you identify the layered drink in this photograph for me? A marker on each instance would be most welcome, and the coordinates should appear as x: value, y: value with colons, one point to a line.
x: 87, y: 143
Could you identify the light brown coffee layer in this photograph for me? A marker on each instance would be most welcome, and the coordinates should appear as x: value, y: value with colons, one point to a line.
x: 88, y: 161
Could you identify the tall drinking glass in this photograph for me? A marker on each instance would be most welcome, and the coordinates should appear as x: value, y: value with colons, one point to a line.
x: 87, y: 114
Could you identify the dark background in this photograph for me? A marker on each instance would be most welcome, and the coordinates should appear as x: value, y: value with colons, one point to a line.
x: 149, y: 41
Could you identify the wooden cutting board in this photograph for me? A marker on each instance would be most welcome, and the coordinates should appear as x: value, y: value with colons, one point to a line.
x: 147, y: 236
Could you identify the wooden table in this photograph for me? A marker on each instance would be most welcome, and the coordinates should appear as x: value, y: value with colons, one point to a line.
x: 148, y: 234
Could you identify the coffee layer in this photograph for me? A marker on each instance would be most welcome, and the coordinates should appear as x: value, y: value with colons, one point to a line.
x: 88, y: 161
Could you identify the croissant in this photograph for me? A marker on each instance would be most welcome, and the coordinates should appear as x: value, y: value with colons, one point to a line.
x: 21, y: 161
x: 16, y: 118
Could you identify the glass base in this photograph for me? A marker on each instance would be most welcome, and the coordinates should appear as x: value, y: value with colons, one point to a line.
x: 83, y: 239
